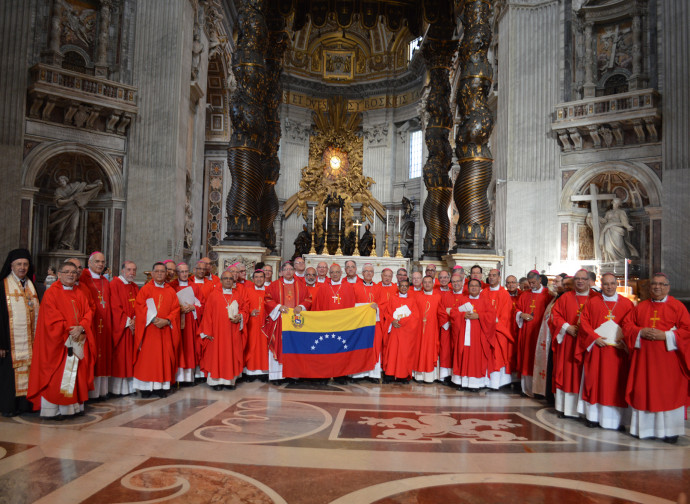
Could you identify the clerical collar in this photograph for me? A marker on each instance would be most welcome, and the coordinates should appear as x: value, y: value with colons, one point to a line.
x: 444, y: 289
x: 582, y: 293
x: 67, y: 288
x: 259, y: 288
x: 474, y: 297
x: 321, y: 280
x: 457, y: 292
x: 337, y: 283
x: 498, y: 287
x: 416, y: 289
x: 227, y: 291
x: 402, y: 295
x: 513, y: 295
x: 428, y: 293
x: 183, y: 284
x: 660, y: 300
x: 124, y: 280
x: 94, y: 275
x: 301, y: 275
x: 368, y: 284
x: 159, y: 285
x: 612, y: 298
x: 311, y: 284
x: 289, y: 282
x: 541, y: 288
x: 354, y: 280
x: 198, y: 280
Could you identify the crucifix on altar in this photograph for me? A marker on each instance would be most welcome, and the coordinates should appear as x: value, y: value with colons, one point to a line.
x: 593, y: 198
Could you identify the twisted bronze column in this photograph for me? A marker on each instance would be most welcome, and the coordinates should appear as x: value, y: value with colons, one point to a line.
x: 473, y: 229
x: 268, y: 206
x: 249, y: 125
x: 438, y: 52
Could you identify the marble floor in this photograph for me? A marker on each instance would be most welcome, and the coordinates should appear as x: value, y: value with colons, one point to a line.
x: 339, y: 444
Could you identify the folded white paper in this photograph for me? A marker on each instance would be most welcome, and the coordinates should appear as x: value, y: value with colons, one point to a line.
x: 609, y: 331
x: 467, y: 307
x: 233, y: 309
x: 151, y: 310
x: 186, y: 297
x: 77, y: 348
x: 401, y: 312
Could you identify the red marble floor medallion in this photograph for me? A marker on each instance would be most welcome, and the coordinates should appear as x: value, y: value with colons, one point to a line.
x: 416, y: 426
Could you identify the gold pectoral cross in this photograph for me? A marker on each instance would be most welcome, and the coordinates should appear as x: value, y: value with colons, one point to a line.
x: 132, y: 300
x: 336, y: 298
x: 533, y: 306
x: 610, y: 316
x: 654, y: 319
x: 100, y: 299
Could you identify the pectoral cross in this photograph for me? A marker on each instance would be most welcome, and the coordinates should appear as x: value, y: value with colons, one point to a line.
x: 336, y: 298
x: 654, y: 319
x: 533, y: 306
x: 610, y: 316
x: 579, y: 312
x: 131, y: 299
x: 100, y: 299
x: 100, y: 326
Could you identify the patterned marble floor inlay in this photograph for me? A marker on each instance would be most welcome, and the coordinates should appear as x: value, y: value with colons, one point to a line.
x: 346, y: 444
x: 476, y: 427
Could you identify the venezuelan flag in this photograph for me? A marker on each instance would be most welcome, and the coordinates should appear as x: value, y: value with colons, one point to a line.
x: 332, y: 343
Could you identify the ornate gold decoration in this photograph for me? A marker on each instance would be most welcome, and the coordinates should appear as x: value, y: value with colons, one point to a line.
x: 335, y: 137
x: 471, y: 143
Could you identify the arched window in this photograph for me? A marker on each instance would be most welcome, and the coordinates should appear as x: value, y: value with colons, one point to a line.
x: 75, y: 62
x: 615, y: 84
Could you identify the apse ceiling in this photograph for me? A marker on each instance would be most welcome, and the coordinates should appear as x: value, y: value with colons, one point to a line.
x: 355, y: 41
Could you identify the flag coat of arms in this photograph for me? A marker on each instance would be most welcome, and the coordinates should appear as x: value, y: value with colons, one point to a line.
x: 326, y: 344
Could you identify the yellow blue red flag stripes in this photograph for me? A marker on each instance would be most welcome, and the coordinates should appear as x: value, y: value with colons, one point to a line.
x: 331, y: 343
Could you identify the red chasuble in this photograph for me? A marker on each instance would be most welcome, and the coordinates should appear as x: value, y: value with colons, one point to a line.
x: 190, y: 344
x: 658, y: 379
x: 567, y: 371
x: 123, y: 299
x: 514, y: 331
x: 534, y: 304
x: 430, y: 311
x: 474, y: 360
x: 289, y: 295
x: 504, y: 346
x: 224, y: 354
x: 446, y: 344
x: 334, y: 297
x: 60, y: 310
x: 402, y: 348
x: 155, y: 357
x: 256, y: 348
x: 369, y: 294
x: 605, y: 368
x: 99, y: 288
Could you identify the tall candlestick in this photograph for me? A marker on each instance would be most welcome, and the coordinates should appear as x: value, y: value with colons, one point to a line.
x: 374, y: 223
x: 399, y: 219
x: 313, y: 211
x: 386, y: 221
x: 326, y: 221
x: 340, y: 218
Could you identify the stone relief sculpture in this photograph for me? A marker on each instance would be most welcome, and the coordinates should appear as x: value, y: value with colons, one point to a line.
x: 613, y: 242
x: 70, y: 199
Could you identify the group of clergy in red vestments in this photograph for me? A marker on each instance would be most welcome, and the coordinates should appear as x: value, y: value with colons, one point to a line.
x: 464, y: 332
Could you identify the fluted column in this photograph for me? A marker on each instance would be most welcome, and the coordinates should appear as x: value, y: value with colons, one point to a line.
x: 438, y: 52
x: 249, y: 125
x: 269, y: 207
x: 475, y: 159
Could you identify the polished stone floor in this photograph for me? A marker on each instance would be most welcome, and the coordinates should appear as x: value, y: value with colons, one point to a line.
x: 341, y: 444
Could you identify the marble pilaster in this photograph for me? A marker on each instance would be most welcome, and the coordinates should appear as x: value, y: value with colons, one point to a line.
x: 160, y: 135
x: 15, y: 35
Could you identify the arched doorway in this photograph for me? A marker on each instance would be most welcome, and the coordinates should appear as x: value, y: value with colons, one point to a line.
x: 639, y: 191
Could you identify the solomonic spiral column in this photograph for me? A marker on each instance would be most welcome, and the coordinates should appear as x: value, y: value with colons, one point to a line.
x: 438, y: 52
x: 247, y: 114
x: 475, y: 160
x: 268, y: 206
